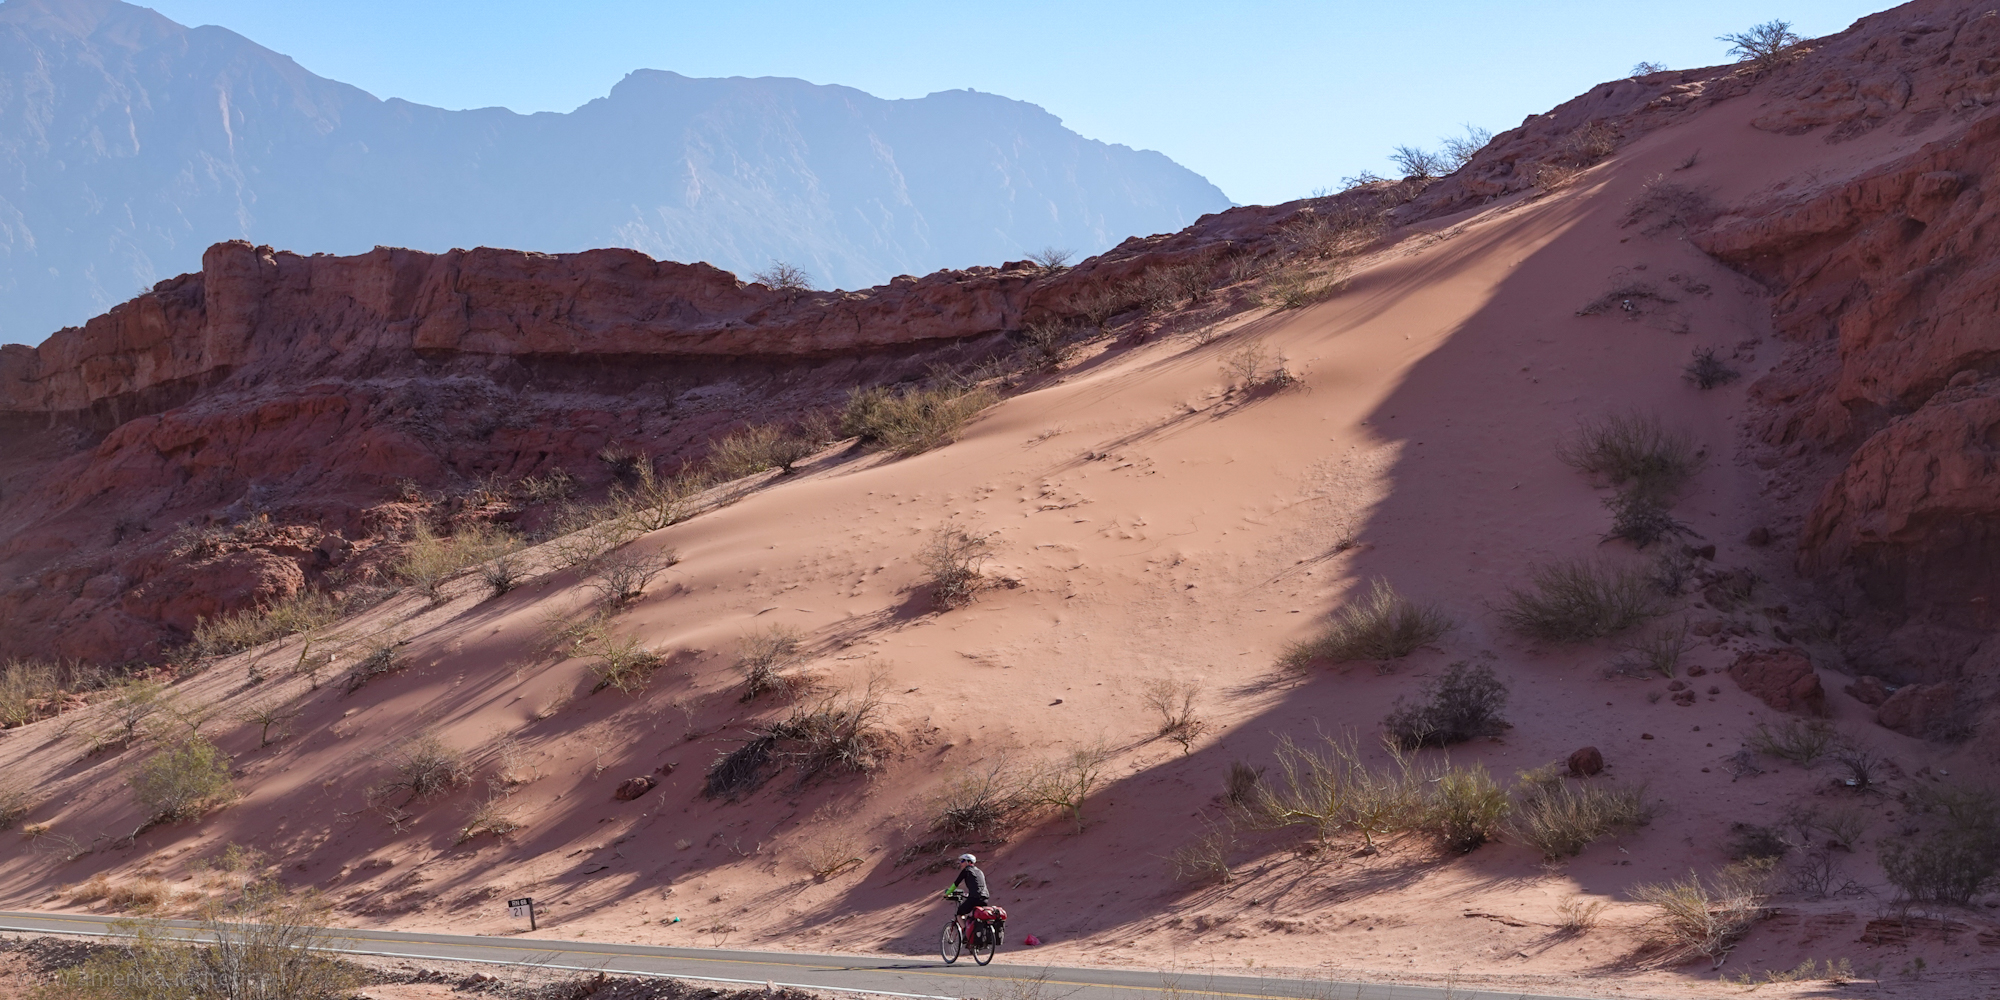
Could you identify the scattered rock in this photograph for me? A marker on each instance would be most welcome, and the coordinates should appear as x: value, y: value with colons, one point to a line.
x: 1758, y: 537
x: 1923, y: 710
x: 1684, y: 699
x: 1868, y: 690
x: 1963, y: 379
x: 632, y: 788
x: 1645, y: 736
x: 1676, y: 685
x: 1781, y: 678
x: 1586, y: 762
x: 1697, y: 671
x: 1706, y: 629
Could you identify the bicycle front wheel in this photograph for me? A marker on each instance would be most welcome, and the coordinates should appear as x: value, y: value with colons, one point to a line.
x: 985, y: 943
x: 951, y: 943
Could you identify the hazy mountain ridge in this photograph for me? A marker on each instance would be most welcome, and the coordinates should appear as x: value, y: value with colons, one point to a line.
x: 129, y: 143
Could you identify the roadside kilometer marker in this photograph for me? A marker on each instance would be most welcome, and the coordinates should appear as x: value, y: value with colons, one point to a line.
x: 523, y: 907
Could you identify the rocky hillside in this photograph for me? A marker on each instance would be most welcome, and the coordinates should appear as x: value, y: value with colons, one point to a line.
x: 130, y: 143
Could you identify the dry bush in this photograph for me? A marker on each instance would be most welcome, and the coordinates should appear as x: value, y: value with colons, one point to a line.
x: 1767, y: 46
x: 650, y: 502
x: 1418, y: 163
x: 1578, y: 914
x: 231, y: 633
x: 1657, y: 652
x: 32, y: 690
x: 430, y: 559
x: 1707, y: 916
x: 1052, y: 258
x: 1206, y: 857
x: 1956, y: 862
x: 1254, y: 366
x: 954, y: 558
x: 183, y: 781
x: 1174, y: 701
x: 785, y: 278
x: 267, y: 946
x: 1384, y: 625
x: 1707, y: 371
x: 1588, y: 144
x: 1049, y: 343
x: 1860, y: 764
x: 1240, y: 788
x: 623, y: 463
x: 840, y: 733
x: 1460, y: 149
x: 1579, y: 600
x: 502, y: 574
x: 423, y: 767
x: 914, y: 420
x: 829, y: 856
x: 268, y: 717
x: 758, y: 448
x: 144, y: 895
x: 488, y: 817
x: 977, y: 806
x: 1064, y: 782
x: 1560, y: 818
x: 1298, y: 287
x: 15, y: 804
x: 138, y: 701
x: 378, y: 658
x: 1329, y: 789
x: 1801, y: 741
x: 1467, y: 807
x: 1633, y: 449
x: 764, y: 654
x: 1643, y: 518
x: 1662, y: 204
x: 551, y: 487
x: 1461, y: 704
x: 624, y: 664
x: 1550, y: 176
x: 622, y: 577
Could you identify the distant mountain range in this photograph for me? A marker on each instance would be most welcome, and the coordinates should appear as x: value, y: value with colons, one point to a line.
x: 129, y: 143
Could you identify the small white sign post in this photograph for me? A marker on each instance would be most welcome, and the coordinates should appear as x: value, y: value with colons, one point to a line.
x: 523, y: 907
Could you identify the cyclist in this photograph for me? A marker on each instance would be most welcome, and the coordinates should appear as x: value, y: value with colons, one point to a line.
x: 972, y: 882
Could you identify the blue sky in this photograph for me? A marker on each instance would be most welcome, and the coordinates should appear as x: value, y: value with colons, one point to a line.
x: 1268, y: 100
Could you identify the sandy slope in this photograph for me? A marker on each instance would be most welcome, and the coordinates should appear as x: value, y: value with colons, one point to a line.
x: 1151, y: 524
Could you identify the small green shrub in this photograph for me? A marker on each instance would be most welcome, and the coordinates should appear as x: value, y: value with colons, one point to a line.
x: 1463, y: 703
x: 758, y: 448
x: 422, y: 767
x: 913, y: 420
x: 1801, y: 741
x: 1707, y: 917
x: 1633, y: 449
x: 1579, y: 600
x: 1384, y: 625
x: 1468, y: 808
x: 240, y: 630
x: 430, y: 559
x: 624, y: 664
x: 1560, y: 818
x: 1767, y: 46
x: 183, y: 781
x: 1949, y: 866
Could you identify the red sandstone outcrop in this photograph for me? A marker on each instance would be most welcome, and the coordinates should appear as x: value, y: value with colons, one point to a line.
x: 1781, y: 678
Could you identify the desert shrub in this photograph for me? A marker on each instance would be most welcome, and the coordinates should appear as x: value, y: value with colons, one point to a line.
x: 1297, y: 287
x: 1948, y: 866
x: 622, y: 577
x: 378, y: 658
x: 1671, y: 570
x: 784, y: 278
x: 1586, y: 145
x: 550, y: 487
x: 840, y: 733
x: 1642, y: 517
x: 1384, y: 625
x: 502, y: 575
x: 1707, y: 916
x: 1462, y: 704
x: 1768, y: 45
x: 828, y: 856
x: 1801, y: 741
x: 1329, y: 789
x: 183, y: 781
x: 913, y: 420
x: 1708, y: 371
x: 1240, y: 788
x: 1460, y: 149
x: 15, y: 804
x: 268, y: 716
x: 1468, y: 808
x: 431, y: 559
x: 266, y: 946
x: 1560, y: 818
x: 1052, y: 258
x: 1633, y: 449
x: 488, y: 817
x: 954, y: 558
x: 977, y: 806
x: 1065, y: 781
x: 1174, y: 701
x: 240, y: 630
x: 757, y: 448
x: 1751, y: 842
x: 763, y: 654
x: 649, y: 503
x: 422, y: 767
x: 1657, y: 652
x: 1579, y: 600
x: 1859, y: 764
x: 1049, y: 343
x: 1418, y: 163
x: 145, y: 895
x: 624, y: 664
x: 1205, y: 857
x: 1662, y: 204
x: 1253, y: 366
x: 1578, y: 915
x: 26, y: 689
x: 138, y: 700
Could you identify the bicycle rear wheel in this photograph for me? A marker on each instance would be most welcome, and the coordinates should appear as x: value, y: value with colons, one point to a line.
x: 951, y: 943
x: 985, y: 942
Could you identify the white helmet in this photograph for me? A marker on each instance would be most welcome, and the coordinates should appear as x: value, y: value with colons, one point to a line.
x: 967, y: 859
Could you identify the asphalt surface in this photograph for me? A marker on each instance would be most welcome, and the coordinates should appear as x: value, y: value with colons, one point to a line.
x: 927, y: 978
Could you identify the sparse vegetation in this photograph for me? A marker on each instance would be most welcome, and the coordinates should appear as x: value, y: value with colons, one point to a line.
x: 913, y: 420
x: 234, y: 632
x: 183, y: 781
x: 1579, y: 600
x: 1802, y: 741
x: 1297, y: 287
x: 32, y: 690
x: 764, y: 654
x: 15, y: 804
x: 1253, y: 366
x: 422, y: 767
x: 266, y: 946
x: 827, y: 857
x: 1468, y: 808
x: 954, y: 559
x: 1635, y: 451
x: 1052, y: 258
x: 430, y: 559
x: 839, y: 733
x: 622, y: 576
x: 1560, y: 818
x: 1658, y: 652
x: 502, y: 574
x: 650, y: 502
x: 1860, y: 764
x: 1206, y: 857
x: 1064, y: 782
x: 269, y: 717
x: 624, y: 664
x: 1662, y: 204
x: 1240, y: 789
x: 1384, y: 625
x: 1049, y: 343
x: 759, y: 448
x: 1463, y: 703
x: 1418, y: 163
x: 1955, y: 862
x: 977, y: 806
x: 1643, y: 517
x: 489, y: 817
x: 377, y: 659
x: 1767, y: 46
x: 1174, y: 701
x: 785, y: 278
x: 1707, y: 371
x: 1578, y: 914
x: 1708, y: 916
x: 1460, y: 149
x: 1330, y: 789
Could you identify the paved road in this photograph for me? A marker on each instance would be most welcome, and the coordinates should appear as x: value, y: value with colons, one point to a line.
x: 925, y: 978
